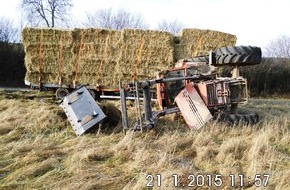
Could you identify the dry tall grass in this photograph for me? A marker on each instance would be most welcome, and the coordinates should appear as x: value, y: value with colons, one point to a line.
x: 39, y: 150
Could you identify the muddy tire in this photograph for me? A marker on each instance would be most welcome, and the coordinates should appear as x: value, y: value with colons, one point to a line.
x: 61, y: 93
x: 242, y: 117
x: 238, y: 55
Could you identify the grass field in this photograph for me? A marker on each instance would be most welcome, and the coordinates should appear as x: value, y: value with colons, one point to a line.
x: 39, y: 150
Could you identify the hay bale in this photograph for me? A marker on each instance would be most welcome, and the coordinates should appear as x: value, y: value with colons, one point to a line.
x: 49, y: 78
x: 195, y: 42
x: 96, y: 52
x: 108, y: 56
x: 142, y: 53
x: 103, y: 57
x: 56, y: 46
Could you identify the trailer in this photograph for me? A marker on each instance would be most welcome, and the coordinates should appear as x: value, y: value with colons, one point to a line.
x: 63, y: 90
x: 64, y: 59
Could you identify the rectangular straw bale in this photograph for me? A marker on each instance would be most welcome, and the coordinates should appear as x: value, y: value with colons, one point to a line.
x: 87, y: 79
x: 50, y: 60
x: 136, y: 58
x: 33, y: 77
x: 95, y: 35
x: 195, y: 42
x: 51, y: 78
x: 96, y: 52
x: 31, y: 36
x: 98, y: 43
x: 56, y: 46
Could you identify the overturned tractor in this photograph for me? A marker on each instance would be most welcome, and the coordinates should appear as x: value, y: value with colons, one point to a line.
x: 194, y: 88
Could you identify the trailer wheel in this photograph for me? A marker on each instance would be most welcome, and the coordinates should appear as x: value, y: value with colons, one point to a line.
x: 93, y: 93
x: 61, y: 93
x: 238, y: 55
x: 242, y: 117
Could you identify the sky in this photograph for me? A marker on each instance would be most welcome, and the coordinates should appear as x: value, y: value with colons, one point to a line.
x: 254, y: 22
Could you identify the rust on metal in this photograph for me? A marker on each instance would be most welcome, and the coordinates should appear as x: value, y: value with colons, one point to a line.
x: 78, y: 61
x: 86, y: 119
x: 40, y: 58
x: 100, y: 70
x: 60, y: 60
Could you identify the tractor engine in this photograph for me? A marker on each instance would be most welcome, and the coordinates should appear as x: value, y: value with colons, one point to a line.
x: 222, y: 92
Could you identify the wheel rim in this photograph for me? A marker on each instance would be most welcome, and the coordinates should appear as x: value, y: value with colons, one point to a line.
x: 61, y: 92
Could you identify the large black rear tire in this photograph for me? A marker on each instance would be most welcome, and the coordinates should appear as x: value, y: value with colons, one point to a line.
x: 242, y: 117
x: 233, y: 55
x: 238, y: 55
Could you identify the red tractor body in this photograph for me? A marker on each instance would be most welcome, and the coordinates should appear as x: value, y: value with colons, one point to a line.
x: 217, y: 93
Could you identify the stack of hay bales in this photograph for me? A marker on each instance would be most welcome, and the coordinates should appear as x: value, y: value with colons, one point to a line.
x: 195, y: 42
x: 143, y: 53
x: 102, y: 57
x: 96, y: 51
x: 46, y: 50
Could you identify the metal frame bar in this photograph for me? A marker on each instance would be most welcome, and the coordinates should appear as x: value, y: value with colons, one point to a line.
x: 147, y: 104
x: 138, y: 106
x: 123, y: 108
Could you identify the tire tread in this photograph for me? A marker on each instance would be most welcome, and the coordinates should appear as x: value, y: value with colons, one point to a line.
x: 238, y: 55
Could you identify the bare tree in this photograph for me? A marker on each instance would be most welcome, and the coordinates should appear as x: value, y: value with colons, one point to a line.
x: 8, y: 33
x: 107, y: 18
x: 279, y: 48
x: 47, y: 12
x: 173, y: 27
x: 10, y: 39
x: 12, y: 68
